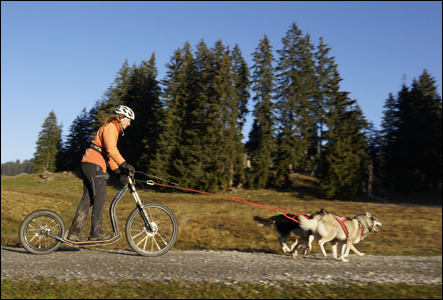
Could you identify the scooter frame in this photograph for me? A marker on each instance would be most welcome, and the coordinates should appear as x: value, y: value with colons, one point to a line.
x: 114, y: 222
x: 149, y: 228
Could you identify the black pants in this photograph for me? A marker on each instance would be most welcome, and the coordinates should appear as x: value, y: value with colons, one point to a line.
x: 94, y: 194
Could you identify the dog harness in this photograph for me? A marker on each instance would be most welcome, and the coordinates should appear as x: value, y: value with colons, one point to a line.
x: 361, y: 226
x: 341, y: 221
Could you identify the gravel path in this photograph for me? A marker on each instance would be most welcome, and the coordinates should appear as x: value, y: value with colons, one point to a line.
x: 218, y: 266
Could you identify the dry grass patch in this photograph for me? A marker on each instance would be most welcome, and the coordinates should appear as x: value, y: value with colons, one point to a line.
x: 213, y: 223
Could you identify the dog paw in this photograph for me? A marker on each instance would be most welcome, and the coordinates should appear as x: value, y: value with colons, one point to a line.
x: 343, y: 259
x: 294, y: 255
x: 360, y: 254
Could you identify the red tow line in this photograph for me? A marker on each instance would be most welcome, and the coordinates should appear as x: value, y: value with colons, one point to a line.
x: 282, y: 211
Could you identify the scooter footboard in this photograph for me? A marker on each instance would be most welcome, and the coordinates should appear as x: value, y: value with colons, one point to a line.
x: 88, y: 243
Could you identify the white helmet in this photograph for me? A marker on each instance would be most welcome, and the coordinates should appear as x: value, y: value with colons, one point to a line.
x: 121, y: 109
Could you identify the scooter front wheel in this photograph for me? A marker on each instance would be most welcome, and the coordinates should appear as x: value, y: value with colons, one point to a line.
x: 35, y: 229
x: 162, y: 235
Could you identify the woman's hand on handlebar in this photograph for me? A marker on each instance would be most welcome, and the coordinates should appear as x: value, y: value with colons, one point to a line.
x: 121, y: 177
x: 127, y: 168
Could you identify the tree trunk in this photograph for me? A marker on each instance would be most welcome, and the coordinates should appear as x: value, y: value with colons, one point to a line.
x: 370, y: 167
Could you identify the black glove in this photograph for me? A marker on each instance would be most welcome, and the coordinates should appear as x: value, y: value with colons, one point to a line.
x: 122, y: 179
x: 125, y: 167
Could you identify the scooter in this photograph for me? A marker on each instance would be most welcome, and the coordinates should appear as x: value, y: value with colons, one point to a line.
x: 151, y: 228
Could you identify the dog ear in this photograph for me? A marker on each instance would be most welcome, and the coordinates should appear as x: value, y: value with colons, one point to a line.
x: 368, y: 215
x: 323, y: 211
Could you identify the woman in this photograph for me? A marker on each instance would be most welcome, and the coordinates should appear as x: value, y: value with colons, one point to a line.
x: 103, y: 150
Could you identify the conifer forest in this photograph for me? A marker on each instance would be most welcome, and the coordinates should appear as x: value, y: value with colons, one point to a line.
x: 189, y: 125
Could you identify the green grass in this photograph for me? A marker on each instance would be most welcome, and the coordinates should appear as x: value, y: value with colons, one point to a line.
x: 211, y: 223
x: 50, y: 288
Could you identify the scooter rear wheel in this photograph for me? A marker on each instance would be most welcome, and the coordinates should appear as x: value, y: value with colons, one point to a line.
x: 33, y: 233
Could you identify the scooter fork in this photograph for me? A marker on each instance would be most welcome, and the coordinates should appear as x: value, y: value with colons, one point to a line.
x: 139, y: 203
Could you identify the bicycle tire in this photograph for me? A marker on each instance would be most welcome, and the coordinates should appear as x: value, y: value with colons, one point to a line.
x: 32, y: 230
x: 164, y: 235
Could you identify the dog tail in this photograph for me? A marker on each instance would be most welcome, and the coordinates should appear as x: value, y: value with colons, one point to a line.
x: 262, y: 222
x: 307, y: 224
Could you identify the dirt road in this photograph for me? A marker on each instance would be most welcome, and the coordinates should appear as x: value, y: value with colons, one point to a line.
x: 218, y: 266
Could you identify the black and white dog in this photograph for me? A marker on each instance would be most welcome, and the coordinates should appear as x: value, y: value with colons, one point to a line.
x: 285, y: 226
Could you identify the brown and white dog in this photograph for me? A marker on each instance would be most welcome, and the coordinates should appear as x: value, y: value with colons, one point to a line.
x: 285, y: 226
x: 337, y: 229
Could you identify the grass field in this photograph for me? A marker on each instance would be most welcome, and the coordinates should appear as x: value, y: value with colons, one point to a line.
x: 213, y: 223
x: 49, y: 288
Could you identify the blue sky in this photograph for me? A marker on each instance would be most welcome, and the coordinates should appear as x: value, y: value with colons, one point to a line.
x: 62, y: 56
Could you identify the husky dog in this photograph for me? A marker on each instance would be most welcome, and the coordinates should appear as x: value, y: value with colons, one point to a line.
x: 337, y: 229
x: 284, y: 226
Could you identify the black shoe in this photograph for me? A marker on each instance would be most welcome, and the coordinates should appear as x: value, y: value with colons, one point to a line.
x: 77, y: 237
x: 103, y: 237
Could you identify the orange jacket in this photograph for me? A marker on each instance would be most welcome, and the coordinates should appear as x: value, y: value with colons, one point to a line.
x: 106, y: 138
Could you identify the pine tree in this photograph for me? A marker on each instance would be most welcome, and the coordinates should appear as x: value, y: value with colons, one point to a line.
x: 412, y: 137
x: 389, y: 133
x: 296, y: 93
x: 261, y: 142
x: 46, y: 149
x: 113, y: 96
x: 169, y: 124
x: 325, y: 71
x: 60, y: 163
x: 374, y: 141
x: 177, y: 155
x: 360, y: 146
x: 430, y: 123
x: 188, y: 109
x: 345, y: 150
x: 242, y: 83
x: 27, y: 167
x: 14, y: 168
x: 207, y: 110
x: 225, y: 122
x: 143, y: 96
x: 10, y: 168
x: 78, y: 139
x: 202, y: 115
x: 407, y: 162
